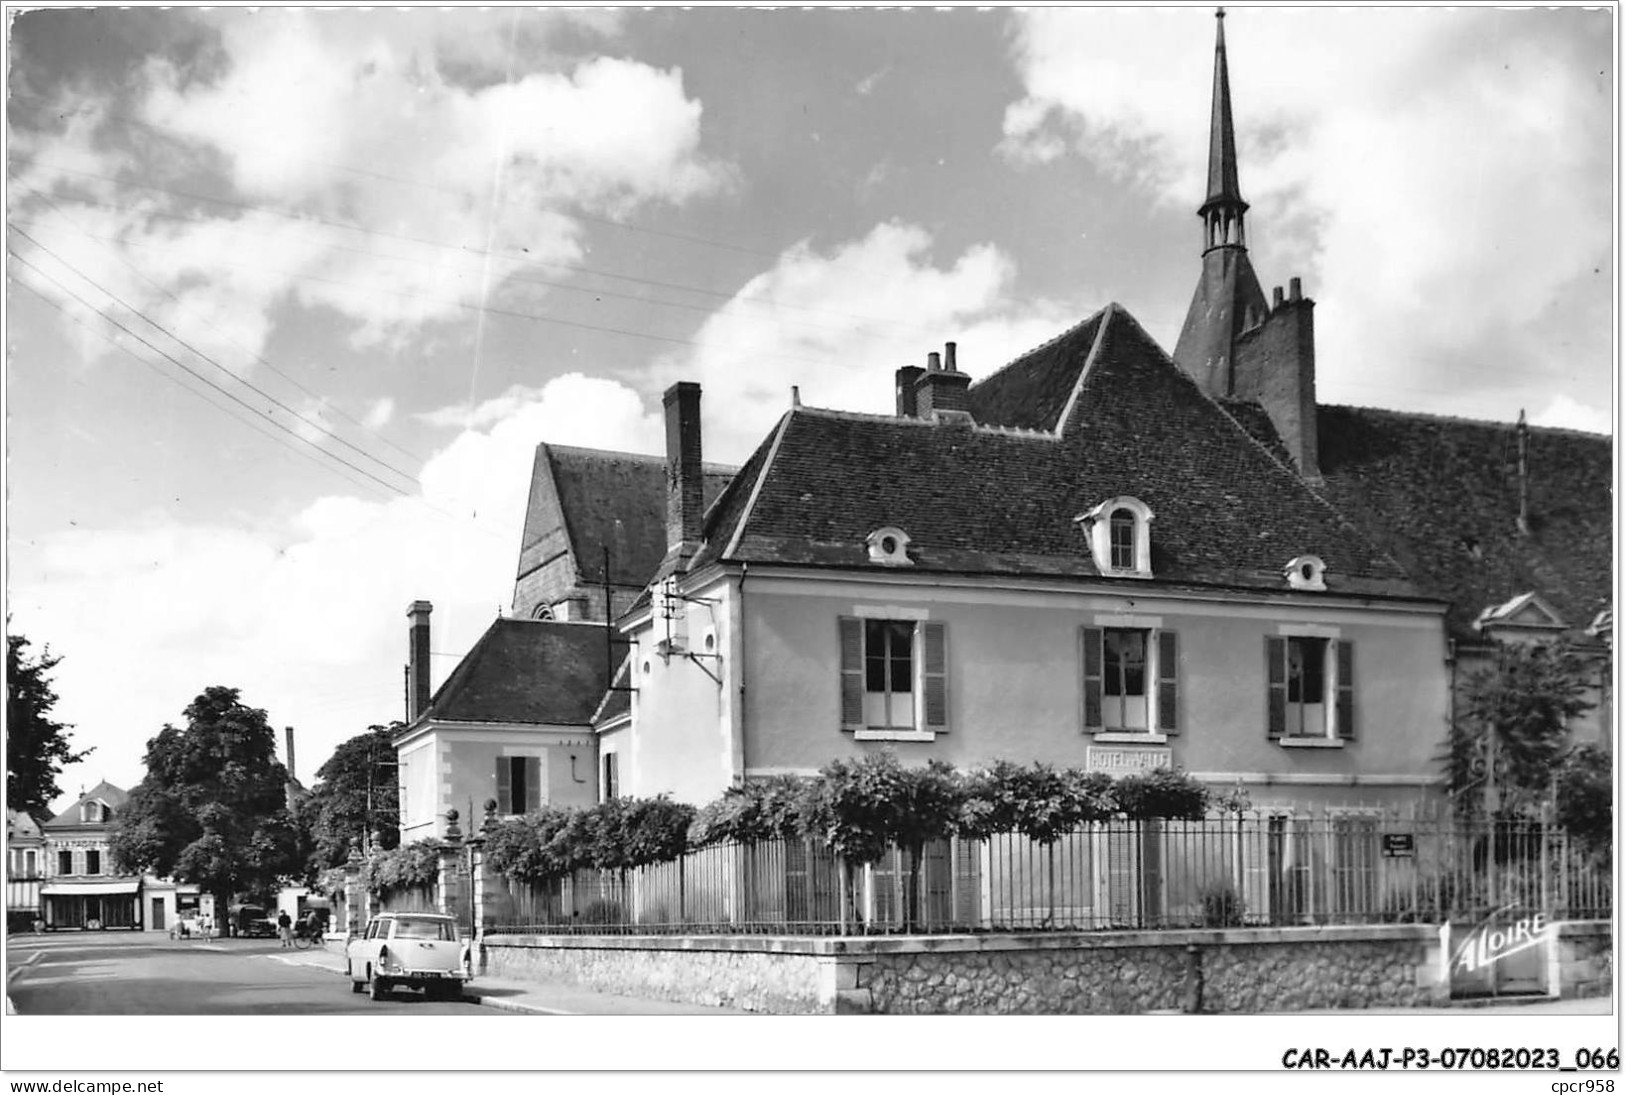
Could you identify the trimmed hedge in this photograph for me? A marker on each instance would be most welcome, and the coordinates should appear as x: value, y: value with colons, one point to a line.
x: 857, y: 807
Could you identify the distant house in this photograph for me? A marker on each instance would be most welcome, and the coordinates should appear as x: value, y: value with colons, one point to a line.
x: 81, y: 888
x: 25, y: 866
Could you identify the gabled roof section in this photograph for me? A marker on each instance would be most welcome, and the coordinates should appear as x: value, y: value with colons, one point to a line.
x: 1524, y: 611
x: 115, y: 797
x: 583, y: 500
x: 1441, y: 495
x: 617, y: 701
x: 527, y: 671
x: 977, y: 499
x: 1033, y: 391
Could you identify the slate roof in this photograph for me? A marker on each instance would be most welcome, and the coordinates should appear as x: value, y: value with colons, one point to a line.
x: 584, y: 499
x: 1441, y: 496
x: 989, y: 500
x: 115, y: 797
x: 527, y: 671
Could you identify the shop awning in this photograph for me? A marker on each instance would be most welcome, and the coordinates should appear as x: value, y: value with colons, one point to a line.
x: 85, y: 889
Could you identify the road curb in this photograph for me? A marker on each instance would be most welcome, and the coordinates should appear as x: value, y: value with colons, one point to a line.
x: 511, y: 1005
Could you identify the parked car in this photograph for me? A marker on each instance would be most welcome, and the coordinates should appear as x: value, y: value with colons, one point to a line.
x: 250, y: 921
x: 418, y: 950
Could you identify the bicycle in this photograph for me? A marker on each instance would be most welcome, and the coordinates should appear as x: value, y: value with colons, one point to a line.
x: 304, y: 939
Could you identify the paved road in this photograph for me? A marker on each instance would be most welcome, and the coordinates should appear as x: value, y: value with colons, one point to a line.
x: 96, y: 973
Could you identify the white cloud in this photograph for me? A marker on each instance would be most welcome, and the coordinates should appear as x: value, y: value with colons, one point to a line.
x: 312, y: 629
x: 1569, y: 414
x: 346, y: 121
x: 380, y: 414
x: 1441, y: 179
x: 838, y: 324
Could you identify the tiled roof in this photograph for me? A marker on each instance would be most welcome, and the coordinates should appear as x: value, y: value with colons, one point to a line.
x: 617, y: 701
x: 988, y: 500
x: 115, y: 797
x: 1441, y: 495
x: 583, y: 500
x: 1031, y: 392
x: 528, y: 671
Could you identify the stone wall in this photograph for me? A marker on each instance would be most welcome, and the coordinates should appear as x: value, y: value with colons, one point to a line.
x: 1585, y: 958
x: 1239, y: 970
x: 753, y: 974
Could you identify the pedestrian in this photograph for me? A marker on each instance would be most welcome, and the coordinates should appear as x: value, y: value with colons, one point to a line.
x: 284, y: 928
x: 313, y: 926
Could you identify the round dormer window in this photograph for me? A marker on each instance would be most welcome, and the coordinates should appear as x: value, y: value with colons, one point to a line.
x: 889, y: 547
x: 1306, y: 572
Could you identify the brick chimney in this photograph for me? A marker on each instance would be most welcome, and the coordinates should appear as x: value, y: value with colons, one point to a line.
x: 1275, y: 365
x: 908, y: 406
x: 685, y: 475
x: 417, y: 659
x: 292, y: 773
x: 942, y: 387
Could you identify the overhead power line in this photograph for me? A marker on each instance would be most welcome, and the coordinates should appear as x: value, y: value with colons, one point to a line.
x: 311, y: 422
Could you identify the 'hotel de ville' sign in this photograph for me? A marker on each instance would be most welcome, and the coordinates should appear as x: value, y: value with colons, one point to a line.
x: 1129, y: 761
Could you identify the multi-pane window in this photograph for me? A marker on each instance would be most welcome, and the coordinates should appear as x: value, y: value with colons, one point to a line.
x: 93, y: 862
x: 1130, y: 679
x: 894, y: 675
x: 1122, y: 540
x: 1310, y: 686
x: 1306, y: 686
x: 1124, y: 680
x: 64, y: 863
x: 888, y: 673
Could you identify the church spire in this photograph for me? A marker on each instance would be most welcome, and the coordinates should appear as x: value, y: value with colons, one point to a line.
x: 1222, y: 212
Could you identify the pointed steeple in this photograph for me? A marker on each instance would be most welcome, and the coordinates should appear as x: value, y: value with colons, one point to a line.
x: 1228, y: 299
x: 1222, y: 212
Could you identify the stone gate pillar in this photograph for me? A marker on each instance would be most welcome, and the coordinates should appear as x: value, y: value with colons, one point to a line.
x: 450, y: 884
x: 354, y: 892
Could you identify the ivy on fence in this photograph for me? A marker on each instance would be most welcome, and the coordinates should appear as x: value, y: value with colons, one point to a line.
x: 411, y: 866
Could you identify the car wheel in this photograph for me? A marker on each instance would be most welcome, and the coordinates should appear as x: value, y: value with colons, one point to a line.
x: 355, y: 986
x: 378, y: 987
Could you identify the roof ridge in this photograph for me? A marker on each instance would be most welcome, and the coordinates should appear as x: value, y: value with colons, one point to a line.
x: 1076, y: 396
x: 1042, y: 346
x: 779, y: 431
x: 920, y: 422
x: 1461, y: 419
x: 619, y: 454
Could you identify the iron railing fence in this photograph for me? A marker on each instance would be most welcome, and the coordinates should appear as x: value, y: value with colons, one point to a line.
x: 1248, y: 870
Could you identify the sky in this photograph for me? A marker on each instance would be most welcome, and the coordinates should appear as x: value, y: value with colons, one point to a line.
x: 293, y: 295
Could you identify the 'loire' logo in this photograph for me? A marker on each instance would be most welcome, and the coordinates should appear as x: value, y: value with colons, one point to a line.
x: 1487, y: 944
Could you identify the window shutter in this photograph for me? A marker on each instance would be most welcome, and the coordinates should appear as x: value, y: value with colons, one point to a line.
x: 1275, y: 667
x: 935, y: 677
x: 1093, y: 672
x: 504, y: 785
x: 1168, y: 682
x: 533, y: 784
x: 851, y: 673
x: 1345, y: 690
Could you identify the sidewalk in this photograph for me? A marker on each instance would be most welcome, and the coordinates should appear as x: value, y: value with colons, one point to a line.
x: 529, y: 997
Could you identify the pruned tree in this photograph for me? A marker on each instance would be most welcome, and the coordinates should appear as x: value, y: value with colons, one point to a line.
x: 212, y: 809
x: 37, y: 747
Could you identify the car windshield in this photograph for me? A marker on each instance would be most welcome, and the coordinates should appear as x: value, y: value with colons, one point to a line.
x: 426, y: 929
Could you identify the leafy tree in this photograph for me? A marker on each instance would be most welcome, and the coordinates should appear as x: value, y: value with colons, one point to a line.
x: 1162, y: 793
x: 212, y: 810
x: 36, y: 744
x: 1517, y: 713
x: 356, y: 795
x: 1585, y: 794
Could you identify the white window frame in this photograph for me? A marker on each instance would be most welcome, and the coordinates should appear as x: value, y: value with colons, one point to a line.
x: 1330, y: 738
x: 1097, y: 524
x: 914, y: 729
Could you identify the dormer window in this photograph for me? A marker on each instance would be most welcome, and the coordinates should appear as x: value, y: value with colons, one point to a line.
x: 1306, y: 572
x: 889, y: 547
x: 1119, y: 531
